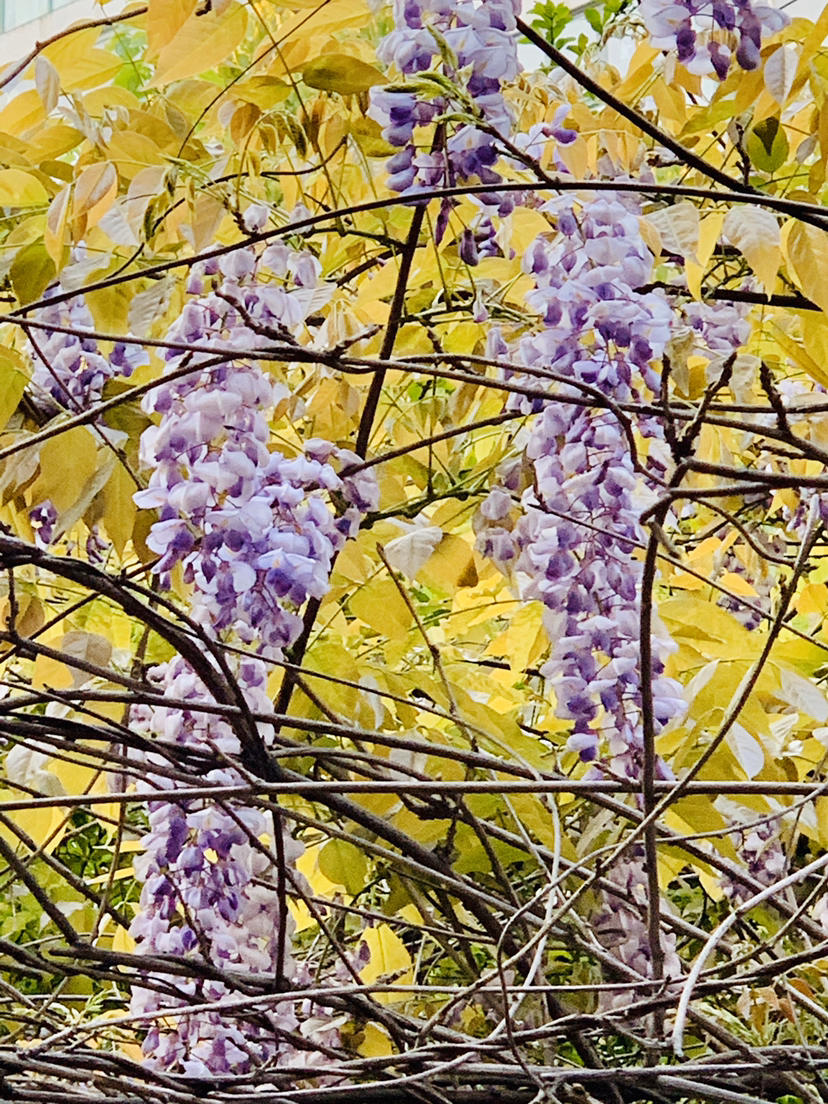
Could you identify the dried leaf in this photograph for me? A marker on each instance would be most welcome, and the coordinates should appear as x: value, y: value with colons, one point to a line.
x: 47, y: 83
x: 780, y: 71
x: 678, y: 228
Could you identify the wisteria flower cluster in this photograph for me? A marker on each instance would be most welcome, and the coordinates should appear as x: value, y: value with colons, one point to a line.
x: 708, y: 35
x: 574, y: 547
x: 252, y: 528
x: 477, y: 43
x: 256, y: 532
x: 575, y: 542
x: 209, y: 891
x: 620, y: 923
x: 71, y: 368
x: 764, y: 858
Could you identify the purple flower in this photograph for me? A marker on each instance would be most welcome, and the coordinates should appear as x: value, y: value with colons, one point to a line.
x: 256, y: 533
x: 736, y: 27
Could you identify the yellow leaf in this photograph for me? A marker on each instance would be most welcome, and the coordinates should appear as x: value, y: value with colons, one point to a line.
x: 738, y: 584
x: 95, y: 190
x: 201, y: 43
x: 109, y: 308
x: 308, y: 866
x: 670, y: 100
x: 51, y: 674
x: 80, y: 776
x: 132, y: 152
x: 367, y: 133
x: 102, y: 879
x: 526, y: 225
x: 53, y: 142
x: 119, y: 509
x: 462, y: 337
x: 799, y: 355
x: 381, y: 607
x: 376, y: 1042
x: 30, y: 617
x: 47, y: 83
x: 812, y: 42
x: 683, y: 581
x: 755, y: 233
x: 706, y: 626
x: 66, y: 462
x: 45, y: 827
x: 165, y: 18
x: 13, y: 380
x: 651, y: 236
x: 54, y: 233
x: 326, y: 17
x: 122, y: 941
x: 67, y: 51
x: 518, y: 643
x: 451, y: 565
x: 24, y: 112
x: 263, y: 91
x: 709, y: 232
x: 100, y: 99
x: 90, y: 70
x: 779, y: 72
x: 678, y: 227
x: 390, y: 962
x: 639, y: 73
x: 807, y: 249
x: 813, y: 599
x: 21, y: 189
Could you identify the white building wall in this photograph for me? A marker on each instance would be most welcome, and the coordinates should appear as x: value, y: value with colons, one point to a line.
x: 25, y: 22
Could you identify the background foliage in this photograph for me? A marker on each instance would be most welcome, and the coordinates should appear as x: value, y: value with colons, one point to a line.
x: 489, y: 759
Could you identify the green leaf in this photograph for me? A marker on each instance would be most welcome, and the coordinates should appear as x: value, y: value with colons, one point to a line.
x: 31, y: 272
x: 767, y: 145
x: 13, y: 380
x: 340, y: 73
x: 368, y: 136
x: 343, y: 863
x: 594, y: 19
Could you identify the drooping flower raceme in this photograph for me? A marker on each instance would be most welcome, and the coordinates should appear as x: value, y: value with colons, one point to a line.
x: 256, y: 533
x: 580, y: 529
x: 70, y: 367
x: 708, y: 34
x: 72, y: 370
x: 209, y: 893
x: 482, y: 39
x: 574, y: 548
x: 620, y: 923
